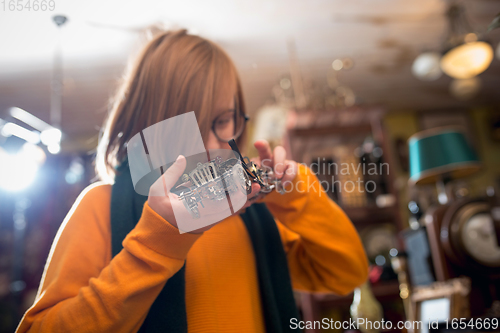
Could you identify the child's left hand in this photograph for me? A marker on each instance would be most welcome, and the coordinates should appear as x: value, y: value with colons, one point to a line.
x: 283, y: 169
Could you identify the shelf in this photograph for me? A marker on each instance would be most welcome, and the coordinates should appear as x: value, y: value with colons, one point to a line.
x: 362, y: 215
x: 382, y: 291
x: 302, y: 143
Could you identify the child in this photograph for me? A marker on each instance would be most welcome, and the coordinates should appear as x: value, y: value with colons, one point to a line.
x: 119, y: 263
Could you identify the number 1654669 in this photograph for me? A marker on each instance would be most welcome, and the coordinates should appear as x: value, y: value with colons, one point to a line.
x: 28, y: 5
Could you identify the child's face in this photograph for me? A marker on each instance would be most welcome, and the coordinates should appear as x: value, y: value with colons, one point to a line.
x: 214, y: 143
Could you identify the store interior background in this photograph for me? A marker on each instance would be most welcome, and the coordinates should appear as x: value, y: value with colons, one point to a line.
x: 275, y: 45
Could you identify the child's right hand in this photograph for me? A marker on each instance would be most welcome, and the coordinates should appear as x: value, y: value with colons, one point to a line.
x: 158, y: 198
x: 164, y: 203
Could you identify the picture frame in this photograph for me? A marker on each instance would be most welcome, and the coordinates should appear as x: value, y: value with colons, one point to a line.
x: 443, y: 300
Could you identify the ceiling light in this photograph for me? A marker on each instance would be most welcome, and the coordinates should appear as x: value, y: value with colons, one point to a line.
x: 10, y: 129
x: 51, y: 136
x: 54, y: 148
x: 19, y: 170
x: 337, y: 64
x: 470, y: 38
x: 426, y: 66
x: 467, y: 60
x: 28, y: 119
x: 465, y: 57
x: 285, y: 83
x: 465, y: 89
x: 35, y: 152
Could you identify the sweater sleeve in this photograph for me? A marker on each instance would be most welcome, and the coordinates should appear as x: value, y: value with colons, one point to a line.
x: 84, y: 290
x: 324, y: 251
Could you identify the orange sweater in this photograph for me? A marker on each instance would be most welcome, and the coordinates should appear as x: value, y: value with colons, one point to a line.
x: 83, y: 289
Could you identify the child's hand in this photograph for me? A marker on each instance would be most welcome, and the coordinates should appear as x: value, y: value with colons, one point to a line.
x: 283, y: 169
x: 159, y: 199
x: 163, y: 202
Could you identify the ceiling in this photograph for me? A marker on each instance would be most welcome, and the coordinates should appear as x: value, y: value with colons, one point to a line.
x: 382, y: 37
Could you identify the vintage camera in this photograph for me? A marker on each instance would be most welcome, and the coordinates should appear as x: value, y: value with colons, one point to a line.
x: 215, y: 179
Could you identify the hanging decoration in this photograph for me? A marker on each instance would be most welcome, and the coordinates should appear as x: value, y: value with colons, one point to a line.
x: 463, y: 56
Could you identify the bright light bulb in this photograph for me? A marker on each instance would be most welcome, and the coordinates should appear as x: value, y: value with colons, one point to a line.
x: 285, y: 83
x: 37, y: 154
x: 10, y: 129
x: 426, y: 66
x: 51, y: 136
x: 17, y: 171
x: 54, y: 149
x: 470, y: 38
x: 467, y: 60
x: 337, y: 64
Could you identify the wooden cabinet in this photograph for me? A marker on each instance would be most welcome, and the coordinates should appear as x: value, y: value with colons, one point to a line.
x: 336, y: 136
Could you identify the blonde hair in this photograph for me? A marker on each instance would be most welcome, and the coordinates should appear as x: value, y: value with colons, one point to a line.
x: 174, y: 73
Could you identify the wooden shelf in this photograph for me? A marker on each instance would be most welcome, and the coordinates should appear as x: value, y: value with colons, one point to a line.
x: 381, y: 291
x: 367, y: 215
x: 312, y: 305
x: 300, y: 142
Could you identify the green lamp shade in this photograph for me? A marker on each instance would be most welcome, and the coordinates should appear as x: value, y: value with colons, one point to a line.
x: 438, y: 152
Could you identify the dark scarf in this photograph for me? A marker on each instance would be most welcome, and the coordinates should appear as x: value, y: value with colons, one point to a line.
x: 168, y: 312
